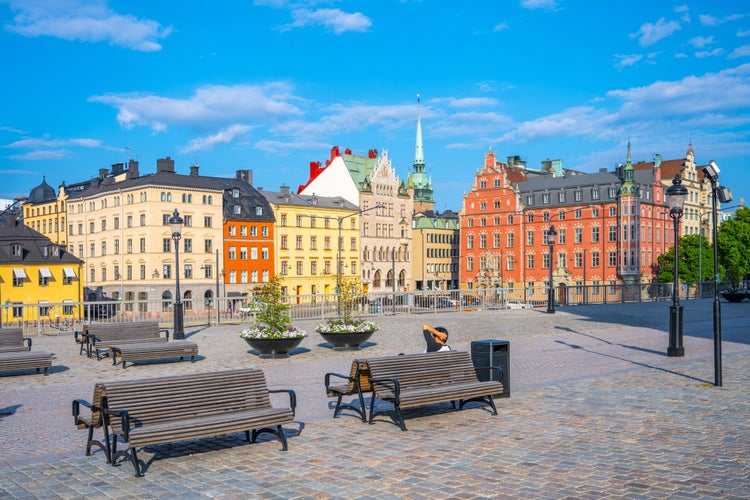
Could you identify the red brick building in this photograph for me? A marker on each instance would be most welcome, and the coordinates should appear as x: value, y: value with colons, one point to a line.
x: 611, y: 227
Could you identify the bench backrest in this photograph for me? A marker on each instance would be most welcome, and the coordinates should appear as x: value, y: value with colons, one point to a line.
x: 105, y: 332
x: 180, y: 396
x: 11, y: 336
x: 423, y: 370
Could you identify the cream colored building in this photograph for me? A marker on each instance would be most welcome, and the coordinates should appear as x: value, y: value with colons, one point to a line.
x: 118, y: 226
x: 307, y: 232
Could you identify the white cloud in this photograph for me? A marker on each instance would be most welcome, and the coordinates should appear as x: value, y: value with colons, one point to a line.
x: 539, y: 4
x: 209, y: 105
x: 709, y: 53
x: 501, y: 26
x: 86, y: 22
x: 335, y: 20
x: 701, y: 41
x: 741, y: 51
x: 650, y: 33
x: 42, y: 155
x: 743, y: 33
x: 625, y: 60
x: 712, y: 21
x: 224, y: 136
x: 36, y: 143
x: 467, y: 102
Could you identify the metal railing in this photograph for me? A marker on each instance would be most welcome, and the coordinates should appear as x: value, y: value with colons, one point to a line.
x: 45, y: 318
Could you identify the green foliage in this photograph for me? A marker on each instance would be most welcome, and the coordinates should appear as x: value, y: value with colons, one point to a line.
x: 272, y: 310
x: 734, y: 242
x: 695, y: 258
x: 350, y: 297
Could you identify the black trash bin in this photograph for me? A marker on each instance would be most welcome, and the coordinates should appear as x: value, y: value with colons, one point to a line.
x: 485, y: 353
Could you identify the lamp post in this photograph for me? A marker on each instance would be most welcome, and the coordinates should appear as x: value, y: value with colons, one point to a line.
x: 338, y: 256
x: 551, y: 239
x: 676, y: 194
x: 722, y: 194
x: 175, y: 222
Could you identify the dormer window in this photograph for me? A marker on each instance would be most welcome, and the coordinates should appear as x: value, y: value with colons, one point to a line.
x: 237, y: 209
x: 258, y: 210
x: 235, y: 193
x: 17, y: 250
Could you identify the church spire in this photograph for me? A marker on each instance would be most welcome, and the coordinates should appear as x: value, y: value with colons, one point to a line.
x: 418, y: 151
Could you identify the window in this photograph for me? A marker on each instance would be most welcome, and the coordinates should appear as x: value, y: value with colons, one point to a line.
x: 595, y: 194
x: 188, y: 271
x: 612, y: 258
x: 562, y: 236
x: 243, y: 253
x: 313, y: 243
x: 314, y: 268
x: 258, y: 210
x: 232, y: 230
x: 117, y: 223
x: 243, y: 231
x: 299, y: 267
x: 509, y: 240
x: 130, y: 221
x: 594, y: 259
x: 143, y: 271
x: 482, y: 240
x: 237, y: 210
x: 264, y: 231
x: 469, y: 263
x: 612, y: 236
x: 545, y: 260
x: 104, y: 248
x: 284, y: 268
x: 284, y: 244
x: 561, y: 197
x: 143, y: 219
x: 595, y: 234
x: 232, y: 253
x: 188, y: 220
x: 469, y: 241
x: 496, y: 240
x: 283, y: 220
x: 104, y: 224
x: 529, y: 238
x: 578, y: 259
x: 253, y: 253
x: 612, y: 211
x: 530, y: 261
x: 167, y: 271
x: 188, y: 245
x: 545, y: 198
x: 92, y: 250
x: 243, y: 276
x: 264, y: 253
x: 327, y: 243
x: 207, y: 221
x: 578, y: 195
x: 208, y: 245
x: 233, y: 276
x: 298, y: 243
x: 208, y: 271
x: 91, y: 227
x: 579, y: 235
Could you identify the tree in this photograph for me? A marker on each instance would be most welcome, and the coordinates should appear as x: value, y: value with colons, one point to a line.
x: 734, y: 242
x: 695, y: 258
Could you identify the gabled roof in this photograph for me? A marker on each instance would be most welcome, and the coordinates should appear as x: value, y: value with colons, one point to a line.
x: 14, y: 232
x: 285, y: 197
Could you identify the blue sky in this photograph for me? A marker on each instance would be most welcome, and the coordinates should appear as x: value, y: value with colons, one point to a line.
x: 271, y: 85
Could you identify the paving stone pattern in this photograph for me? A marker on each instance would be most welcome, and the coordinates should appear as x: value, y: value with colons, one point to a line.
x: 597, y: 411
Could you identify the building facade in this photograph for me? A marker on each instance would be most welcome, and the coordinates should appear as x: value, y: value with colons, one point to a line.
x: 610, y: 226
x: 436, y: 251
x: 386, y: 231
x: 39, y: 279
x: 312, y: 234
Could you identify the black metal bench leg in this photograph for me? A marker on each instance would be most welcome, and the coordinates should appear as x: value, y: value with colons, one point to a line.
x: 136, y: 466
x: 362, y: 407
x: 247, y: 436
x: 338, y: 406
x: 399, y: 417
x: 282, y: 437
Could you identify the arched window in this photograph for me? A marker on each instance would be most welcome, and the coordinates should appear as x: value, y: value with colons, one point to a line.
x: 188, y: 300
x: 376, y: 279
x: 163, y: 196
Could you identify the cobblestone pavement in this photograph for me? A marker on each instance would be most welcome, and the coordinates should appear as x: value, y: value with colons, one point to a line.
x: 597, y: 411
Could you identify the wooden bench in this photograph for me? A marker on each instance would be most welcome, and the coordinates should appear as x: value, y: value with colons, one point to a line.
x: 94, y: 420
x: 186, y: 407
x: 99, y: 337
x: 25, y: 360
x: 153, y: 350
x: 11, y: 340
x: 419, y: 379
x: 357, y: 382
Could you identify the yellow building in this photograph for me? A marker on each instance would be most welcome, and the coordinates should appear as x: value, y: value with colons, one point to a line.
x: 309, y: 230
x: 39, y: 280
x: 44, y: 212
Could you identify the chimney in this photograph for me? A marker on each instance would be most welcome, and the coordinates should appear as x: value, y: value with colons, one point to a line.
x: 117, y: 168
x: 102, y: 173
x: 245, y: 176
x: 133, y: 169
x: 194, y: 170
x: 165, y: 165
x: 285, y: 192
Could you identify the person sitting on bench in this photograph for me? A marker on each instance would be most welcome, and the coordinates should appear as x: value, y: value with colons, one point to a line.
x: 436, y: 338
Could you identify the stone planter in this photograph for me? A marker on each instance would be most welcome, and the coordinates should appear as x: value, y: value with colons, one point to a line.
x: 274, y: 348
x: 346, y: 341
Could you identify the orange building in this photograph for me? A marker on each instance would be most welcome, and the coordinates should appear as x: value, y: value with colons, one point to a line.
x: 611, y: 227
x: 248, y: 237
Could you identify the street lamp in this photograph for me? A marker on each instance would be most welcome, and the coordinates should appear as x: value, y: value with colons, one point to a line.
x: 676, y: 194
x: 338, y: 256
x: 175, y: 223
x: 551, y: 239
x: 722, y: 194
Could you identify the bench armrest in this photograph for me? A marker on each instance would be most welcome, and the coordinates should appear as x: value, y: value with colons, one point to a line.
x: 76, y: 410
x: 28, y: 341
x: 124, y: 421
x: 292, y: 397
x: 337, y: 375
x: 165, y: 331
x: 390, y: 384
x: 76, y: 334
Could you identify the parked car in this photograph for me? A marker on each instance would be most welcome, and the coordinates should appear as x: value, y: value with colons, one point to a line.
x: 516, y: 304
